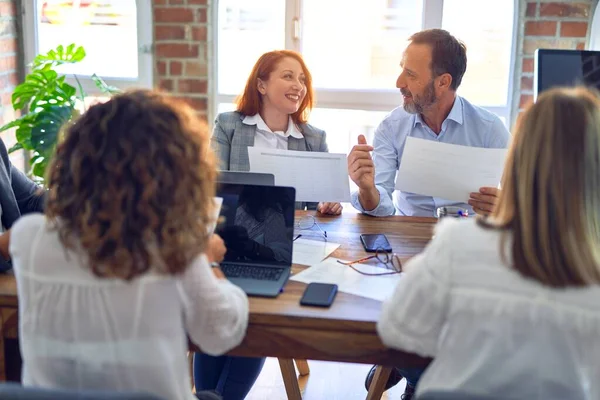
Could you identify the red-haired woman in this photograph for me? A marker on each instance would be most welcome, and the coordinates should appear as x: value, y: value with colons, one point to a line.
x: 271, y: 113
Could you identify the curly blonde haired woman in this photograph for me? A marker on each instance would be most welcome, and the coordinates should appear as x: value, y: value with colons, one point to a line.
x: 510, y: 306
x: 114, y: 278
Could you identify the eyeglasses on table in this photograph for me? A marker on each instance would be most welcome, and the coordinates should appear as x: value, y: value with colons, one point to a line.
x: 308, y: 222
x: 391, y: 261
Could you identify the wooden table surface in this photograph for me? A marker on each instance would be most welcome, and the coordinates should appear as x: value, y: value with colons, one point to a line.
x: 344, y: 332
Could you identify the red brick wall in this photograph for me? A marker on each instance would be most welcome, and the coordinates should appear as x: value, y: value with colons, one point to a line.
x: 8, y: 57
x: 9, y: 70
x: 181, y: 50
x: 550, y: 25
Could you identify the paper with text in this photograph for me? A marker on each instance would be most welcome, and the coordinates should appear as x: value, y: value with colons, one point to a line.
x: 316, y: 176
x: 349, y: 281
x: 217, y: 211
x: 311, y: 252
x: 448, y: 171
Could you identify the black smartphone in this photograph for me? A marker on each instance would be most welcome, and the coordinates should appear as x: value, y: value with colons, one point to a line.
x: 373, y: 241
x: 319, y: 294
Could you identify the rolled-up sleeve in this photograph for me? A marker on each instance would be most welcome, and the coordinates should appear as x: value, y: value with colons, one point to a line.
x: 385, y: 159
x: 216, y: 311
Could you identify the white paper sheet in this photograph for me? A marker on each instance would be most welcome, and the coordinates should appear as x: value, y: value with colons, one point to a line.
x: 349, y: 281
x: 218, y: 203
x: 311, y: 252
x: 448, y: 171
x: 316, y: 176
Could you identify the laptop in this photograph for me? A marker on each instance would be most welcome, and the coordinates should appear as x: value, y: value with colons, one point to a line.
x: 247, y: 178
x: 257, y: 228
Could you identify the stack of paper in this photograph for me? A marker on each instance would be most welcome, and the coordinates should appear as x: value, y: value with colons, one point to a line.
x: 448, y: 171
x: 316, y: 176
x: 311, y: 252
x: 217, y: 211
x: 350, y: 281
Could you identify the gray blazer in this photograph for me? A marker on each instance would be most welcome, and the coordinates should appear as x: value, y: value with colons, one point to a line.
x: 231, y: 139
x: 18, y: 195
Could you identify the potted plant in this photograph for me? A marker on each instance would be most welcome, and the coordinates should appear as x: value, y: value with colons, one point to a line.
x: 47, y: 102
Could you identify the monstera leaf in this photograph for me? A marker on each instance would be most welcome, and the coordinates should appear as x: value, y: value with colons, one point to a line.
x: 61, y: 55
x: 48, y: 102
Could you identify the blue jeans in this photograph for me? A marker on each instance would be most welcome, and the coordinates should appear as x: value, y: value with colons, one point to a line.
x: 412, y: 375
x: 231, y: 377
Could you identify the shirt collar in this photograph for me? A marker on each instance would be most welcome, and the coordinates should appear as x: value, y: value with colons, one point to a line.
x: 257, y: 120
x: 456, y: 113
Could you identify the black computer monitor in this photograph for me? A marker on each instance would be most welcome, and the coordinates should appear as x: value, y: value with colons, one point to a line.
x: 565, y: 68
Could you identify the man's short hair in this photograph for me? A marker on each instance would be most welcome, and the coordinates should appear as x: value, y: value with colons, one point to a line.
x: 448, y: 54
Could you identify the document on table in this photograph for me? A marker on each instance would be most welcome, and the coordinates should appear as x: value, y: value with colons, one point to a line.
x: 311, y: 252
x: 448, y: 171
x: 349, y: 281
x: 316, y: 176
x: 217, y: 211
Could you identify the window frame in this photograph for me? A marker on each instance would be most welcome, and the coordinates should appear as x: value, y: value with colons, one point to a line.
x: 145, y: 35
x: 360, y: 99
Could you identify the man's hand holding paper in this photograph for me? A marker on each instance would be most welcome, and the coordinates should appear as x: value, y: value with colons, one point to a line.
x: 452, y: 172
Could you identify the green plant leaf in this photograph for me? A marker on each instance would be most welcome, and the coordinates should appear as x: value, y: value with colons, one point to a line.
x: 16, y: 147
x: 39, y: 166
x: 63, y: 94
x: 16, y: 122
x: 59, y: 56
x: 46, y: 127
x: 37, y: 85
x: 104, y: 87
x: 23, y: 135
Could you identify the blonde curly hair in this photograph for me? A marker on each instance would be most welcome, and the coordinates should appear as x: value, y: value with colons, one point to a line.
x: 131, y: 186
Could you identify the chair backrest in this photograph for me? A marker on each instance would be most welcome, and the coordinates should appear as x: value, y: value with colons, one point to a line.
x: 14, y: 391
x: 457, y: 395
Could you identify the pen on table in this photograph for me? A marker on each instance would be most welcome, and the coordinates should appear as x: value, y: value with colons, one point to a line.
x: 300, y: 235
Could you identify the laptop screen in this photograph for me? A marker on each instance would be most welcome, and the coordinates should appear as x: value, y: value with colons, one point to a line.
x: 258, y: 224
x: 246, y: 178
x: 566, y: 68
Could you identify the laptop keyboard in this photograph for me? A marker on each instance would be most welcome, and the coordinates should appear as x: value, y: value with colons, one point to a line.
x: 258, y: 273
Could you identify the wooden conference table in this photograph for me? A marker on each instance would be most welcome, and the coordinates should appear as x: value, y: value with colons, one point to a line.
x: 282, y: 328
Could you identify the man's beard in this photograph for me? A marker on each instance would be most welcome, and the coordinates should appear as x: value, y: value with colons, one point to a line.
x: 420, y: 103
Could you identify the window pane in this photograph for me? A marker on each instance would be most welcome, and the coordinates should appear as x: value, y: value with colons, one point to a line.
x: 107, y: 29
x: 489, y: 46
x: 360, y: 48
x: 245, y: 31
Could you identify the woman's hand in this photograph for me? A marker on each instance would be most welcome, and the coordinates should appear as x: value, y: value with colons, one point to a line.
x: 330, y: 208
x: 215, y: 249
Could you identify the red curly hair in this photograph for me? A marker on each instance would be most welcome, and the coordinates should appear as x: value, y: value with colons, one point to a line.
x: 250, y: 102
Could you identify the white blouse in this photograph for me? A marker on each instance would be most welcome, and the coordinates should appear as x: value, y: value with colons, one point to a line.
x: 267, y: 139
x: 489, y: 329
x: 79, y: 331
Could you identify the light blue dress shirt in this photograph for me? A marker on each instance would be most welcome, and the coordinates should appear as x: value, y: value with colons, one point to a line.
x: 466, y: 124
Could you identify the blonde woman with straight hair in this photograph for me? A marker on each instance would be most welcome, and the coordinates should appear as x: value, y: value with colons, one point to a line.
x: 510, y: 305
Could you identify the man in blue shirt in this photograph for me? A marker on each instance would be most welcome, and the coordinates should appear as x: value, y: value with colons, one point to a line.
x: 433, y: 65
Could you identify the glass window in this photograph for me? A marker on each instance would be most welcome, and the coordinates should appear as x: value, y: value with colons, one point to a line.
x: 107, y: 29
x: 117, y: 37
x: 246, y: 29
x: 353, y: 50
x: 489, y: 47
x: 362, y: 47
